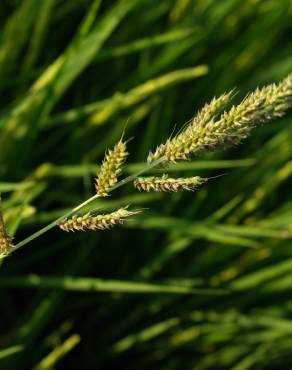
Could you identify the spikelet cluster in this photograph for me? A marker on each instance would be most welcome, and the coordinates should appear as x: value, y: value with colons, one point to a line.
x: 6, y: 244
x: 208, y: 132
x: 99, y: 222
x: 183, y: 144
x: 168, y: 184
x: 111, y: 168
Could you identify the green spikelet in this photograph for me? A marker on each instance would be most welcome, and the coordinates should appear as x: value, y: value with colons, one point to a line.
x: 181, y: 145
x: 111, y: 169
x: 168, y: 184
x: 207, y: 133
x: 6, y: 244
x: 99, y: 222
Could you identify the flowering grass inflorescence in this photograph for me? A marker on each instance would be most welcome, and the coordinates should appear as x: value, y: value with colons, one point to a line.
x: 111, y: 168
x: 212, y: 128
x: 168, y: 184
x: 98, y: 222
x: 108, y: 175
x: 206, y: 132
x: 182, y: 145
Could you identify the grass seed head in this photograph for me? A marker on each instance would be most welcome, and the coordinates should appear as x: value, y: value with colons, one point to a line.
x: 168, y: 184
x: 181, y: 145
x: 99, y: 222
x: 207, y: 132
x: 111, y: 168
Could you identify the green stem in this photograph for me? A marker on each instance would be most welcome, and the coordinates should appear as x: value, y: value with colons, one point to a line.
x: 85, y: 203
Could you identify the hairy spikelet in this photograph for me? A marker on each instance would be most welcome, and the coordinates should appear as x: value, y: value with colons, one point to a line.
x: 6, y: 244
x: 99, y: 222
x: 206, y: 132
x: 111, y: 168
x: 168, y: 184
x: 182, y: 143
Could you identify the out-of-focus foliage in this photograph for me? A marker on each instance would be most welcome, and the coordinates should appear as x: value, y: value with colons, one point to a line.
x: 200, y: 280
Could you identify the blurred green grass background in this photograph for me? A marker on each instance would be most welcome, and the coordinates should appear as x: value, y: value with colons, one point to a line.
x: 200, y: 280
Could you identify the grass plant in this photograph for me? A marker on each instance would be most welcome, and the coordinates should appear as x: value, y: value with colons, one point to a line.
x: 199, y: 279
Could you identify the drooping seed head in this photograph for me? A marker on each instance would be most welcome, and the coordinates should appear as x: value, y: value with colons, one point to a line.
x: 98, y: 222
x: 111, y: 169
x: 168, y: 184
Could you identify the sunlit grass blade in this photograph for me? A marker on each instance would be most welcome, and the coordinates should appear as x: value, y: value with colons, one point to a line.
x: 10, y: 351
x: 100, y: 285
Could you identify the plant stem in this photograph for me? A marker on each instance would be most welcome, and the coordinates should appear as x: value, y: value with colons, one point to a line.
x: 86, y: 202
